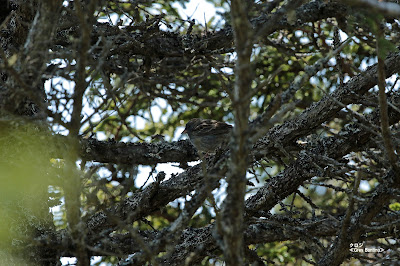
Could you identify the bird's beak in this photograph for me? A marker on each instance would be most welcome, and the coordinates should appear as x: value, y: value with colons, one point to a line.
x: 183, y: 132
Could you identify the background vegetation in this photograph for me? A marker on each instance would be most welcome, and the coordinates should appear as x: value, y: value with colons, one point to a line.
x: 94, y: 96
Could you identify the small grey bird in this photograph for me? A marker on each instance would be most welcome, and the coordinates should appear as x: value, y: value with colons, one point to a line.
x: 207, y: 134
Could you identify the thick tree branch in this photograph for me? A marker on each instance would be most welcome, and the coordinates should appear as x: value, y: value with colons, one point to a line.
x: 230, y: 223
x: 386, y: 8
x: 137, y: 153
x: 383, y: 105
x: 73, y: 187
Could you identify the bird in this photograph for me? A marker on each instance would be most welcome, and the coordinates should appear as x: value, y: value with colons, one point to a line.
x: 207, y: 135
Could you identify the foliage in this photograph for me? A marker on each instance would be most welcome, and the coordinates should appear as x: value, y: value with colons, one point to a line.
x: 94, y: 98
